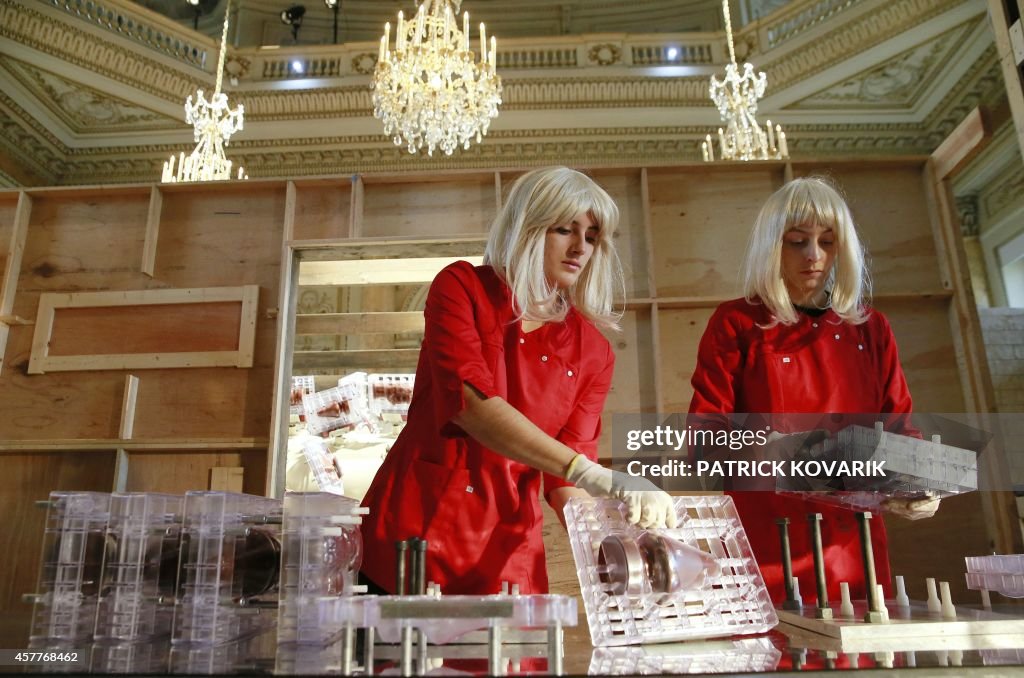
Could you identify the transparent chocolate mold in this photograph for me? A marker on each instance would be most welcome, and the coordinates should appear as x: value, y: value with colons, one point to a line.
x: 653, y: 563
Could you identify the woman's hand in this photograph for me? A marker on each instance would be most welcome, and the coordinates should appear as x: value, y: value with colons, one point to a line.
x: 646, y: 504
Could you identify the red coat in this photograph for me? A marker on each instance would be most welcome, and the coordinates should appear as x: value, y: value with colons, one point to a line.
x: 480, y: 511
x: 819, y: 365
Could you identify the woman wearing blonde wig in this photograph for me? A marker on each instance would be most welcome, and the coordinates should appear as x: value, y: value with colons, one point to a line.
x: 802, y: 341
x: 511, y: 381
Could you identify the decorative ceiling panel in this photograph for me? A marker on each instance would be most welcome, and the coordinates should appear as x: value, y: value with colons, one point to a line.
x: 897, y: 83
x: 83, y: 109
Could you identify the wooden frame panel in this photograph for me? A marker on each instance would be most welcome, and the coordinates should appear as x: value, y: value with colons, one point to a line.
x: 700, y: 227
x: 41, y: 362
x: 449, y: 205
x: 12, y: 269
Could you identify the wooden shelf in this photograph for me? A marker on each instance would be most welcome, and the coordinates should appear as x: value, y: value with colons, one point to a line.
x: 133, y: 445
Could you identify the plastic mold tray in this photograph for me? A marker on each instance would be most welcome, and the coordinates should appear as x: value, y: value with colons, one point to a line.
x: 1002, y: 574
x: 230, y: 570
x: 733, y: 602
x: 444, y: 619
x: 320, y: 558
x: 67, y: 592
x: 140, y: 571
x: 391, y: 393
x: 913, y: 468
x: 743, y: 655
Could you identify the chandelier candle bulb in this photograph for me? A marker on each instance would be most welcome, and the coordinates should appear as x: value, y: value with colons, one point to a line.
x: 771, y: 137
x: 704, y: 150
x: 493, y: 53
x: 465, y: 29
x: 783, y: 146
x: 421, y: 17
x: 483, y: 43
x: 400, y: 35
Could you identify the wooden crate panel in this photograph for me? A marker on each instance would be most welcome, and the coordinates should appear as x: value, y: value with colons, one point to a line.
x: 633, y: 383
x: 462, y: 205
x: 891, y: 212
x: 58, y: 405
x: 322, y: 210
x: 630, y: 240
x: 224, y: 237
x: 8, y: 205
x: 700, y: 220
x: 205, y: 403
x: 77, y: 243
x: 25, y: 480
x: 95, y: 315
x: 179, y: 472
x: 146, y: 329
x: 680, y: 331
x: 923, y: 334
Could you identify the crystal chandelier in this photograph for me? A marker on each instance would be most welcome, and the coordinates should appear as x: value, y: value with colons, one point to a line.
x: 214, y: 124
x: 736, y: 98
x: 431, y: 91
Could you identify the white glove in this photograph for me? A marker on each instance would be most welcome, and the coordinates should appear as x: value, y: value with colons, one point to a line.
x: 646, y: 505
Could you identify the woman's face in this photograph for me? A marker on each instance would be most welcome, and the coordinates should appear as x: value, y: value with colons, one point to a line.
x: 567, y: 249
x: 808, y: 254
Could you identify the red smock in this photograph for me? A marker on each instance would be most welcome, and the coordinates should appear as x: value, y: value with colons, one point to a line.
x: 479, y: 511
x: 819, y: 365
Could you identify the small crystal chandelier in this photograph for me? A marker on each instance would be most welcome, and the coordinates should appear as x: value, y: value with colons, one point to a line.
x: 214, y: 124
x: 430, y: 91
x: 736, y: 98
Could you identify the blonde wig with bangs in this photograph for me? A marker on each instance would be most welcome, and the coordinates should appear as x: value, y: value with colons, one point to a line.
x: 809, y: 200
x: 537, y: 201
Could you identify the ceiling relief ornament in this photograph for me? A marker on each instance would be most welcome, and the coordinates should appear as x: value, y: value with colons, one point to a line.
x: 83, y: 109
x: 855, y: 37
x: 605, y: 54
x: 899, y: 82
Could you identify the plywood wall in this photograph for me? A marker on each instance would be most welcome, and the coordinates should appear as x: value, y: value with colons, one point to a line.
x: 683, y: 230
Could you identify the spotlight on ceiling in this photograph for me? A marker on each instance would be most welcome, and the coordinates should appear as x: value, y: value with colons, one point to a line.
x: 194, y: 4
x: 672, y: 53
x: 334, y: 6
x: 293, y: 17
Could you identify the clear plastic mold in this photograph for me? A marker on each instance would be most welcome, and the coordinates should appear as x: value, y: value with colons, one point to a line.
x: 228, y: 581
x: 1002, y: 574
x: 136, y: 599
x: 913, y: 469
x: 743, y: 655
x: 630, y: 600
x: 75, y: 542
x: 321, y: 554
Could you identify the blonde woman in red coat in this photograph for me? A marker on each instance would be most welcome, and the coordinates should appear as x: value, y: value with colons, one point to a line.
x: 802, y: 341
x: 510, y: 385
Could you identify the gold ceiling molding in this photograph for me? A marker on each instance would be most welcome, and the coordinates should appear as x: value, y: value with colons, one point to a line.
x: 89, y: 51
x: 523, y: 95
x: 853, y: 37
x: 83, y: 109
x: 898, y: 82
x: 619, y: 146
x: 31, y: 143
x: 588, y: 88
x: 1004, y: 193
x: 982, y: 83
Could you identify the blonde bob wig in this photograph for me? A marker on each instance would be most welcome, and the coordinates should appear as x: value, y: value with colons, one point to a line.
x: 537, y: 201
x: 801, y: 202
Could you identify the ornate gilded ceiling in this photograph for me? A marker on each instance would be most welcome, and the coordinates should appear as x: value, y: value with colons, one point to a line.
x: 93, y: 92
